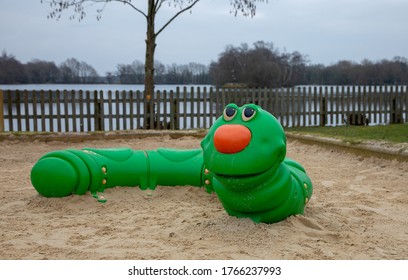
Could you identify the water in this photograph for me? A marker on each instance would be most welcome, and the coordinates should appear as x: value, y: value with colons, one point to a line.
x: 92, y: 87
x: 301, y: 110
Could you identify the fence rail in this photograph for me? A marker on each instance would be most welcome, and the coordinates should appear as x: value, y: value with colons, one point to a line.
x: 193, y: 108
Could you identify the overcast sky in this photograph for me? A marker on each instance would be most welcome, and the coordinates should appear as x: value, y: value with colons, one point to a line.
x: 325, y: 30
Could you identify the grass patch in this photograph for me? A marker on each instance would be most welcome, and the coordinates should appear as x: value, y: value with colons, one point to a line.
x: 396, y: 133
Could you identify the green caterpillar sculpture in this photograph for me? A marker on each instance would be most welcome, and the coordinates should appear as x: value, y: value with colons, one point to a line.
x: 243, y: 160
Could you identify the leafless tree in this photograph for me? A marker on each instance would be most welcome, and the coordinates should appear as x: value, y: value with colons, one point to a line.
x: 74, y: 71
x: 11, y: 70
x: 260, y: 66
x: 245, y: 7
x: 42, y: 72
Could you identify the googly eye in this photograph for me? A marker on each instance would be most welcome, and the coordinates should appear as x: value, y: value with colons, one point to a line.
x: 248, y: 113
x: 229, y: 113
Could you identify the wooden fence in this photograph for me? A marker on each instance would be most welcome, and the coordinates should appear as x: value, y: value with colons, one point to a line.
x: 194, y: 108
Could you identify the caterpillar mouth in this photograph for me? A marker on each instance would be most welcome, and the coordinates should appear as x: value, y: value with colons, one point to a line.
x: 269, y: 170
x: 239, y: 176
x: 246, y: 181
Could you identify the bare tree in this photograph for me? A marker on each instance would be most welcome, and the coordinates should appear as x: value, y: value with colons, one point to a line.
x: 39, y: 71
x: 11, y: 70
x: 245, y: 7
x: 260, y: 66
x: 74, y: 71
x: 131, y: 73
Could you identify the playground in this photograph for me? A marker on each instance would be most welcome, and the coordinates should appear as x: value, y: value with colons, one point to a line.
x: 358, y: 211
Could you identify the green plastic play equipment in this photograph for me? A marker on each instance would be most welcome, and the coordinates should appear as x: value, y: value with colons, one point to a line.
x: 243, y: 160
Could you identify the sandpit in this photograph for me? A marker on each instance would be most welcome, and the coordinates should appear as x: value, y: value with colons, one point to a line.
x: 358, y: 211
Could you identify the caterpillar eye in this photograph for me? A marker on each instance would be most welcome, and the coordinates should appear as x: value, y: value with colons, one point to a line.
x: 229, y: 113
x: 248, y: 113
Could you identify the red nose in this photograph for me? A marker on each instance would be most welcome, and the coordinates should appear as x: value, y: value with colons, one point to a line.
x: 231, y: 138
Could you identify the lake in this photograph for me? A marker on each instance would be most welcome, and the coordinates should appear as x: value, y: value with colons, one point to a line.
x: 92, y: 87
x: 299, y: 106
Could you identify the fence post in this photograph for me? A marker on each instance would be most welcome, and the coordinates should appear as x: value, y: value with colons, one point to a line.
x: 323, y: 112
x: 98, y: 104
x: 396, y: 112
x: 393, y: 110
x: 1, y: 112
x: 175, y: 114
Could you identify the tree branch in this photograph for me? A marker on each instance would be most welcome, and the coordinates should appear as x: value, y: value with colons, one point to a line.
x: 158, y: 5
x: 176, y: 15
x: 58, y: 6
x: 133, y: 6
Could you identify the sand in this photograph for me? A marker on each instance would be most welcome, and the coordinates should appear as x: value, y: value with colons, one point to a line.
x: 358, y: 211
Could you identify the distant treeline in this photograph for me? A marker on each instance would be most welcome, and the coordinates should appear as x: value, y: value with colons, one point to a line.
x: 72, y: 71
x: 192, y: 73
x: 265, y: 66
x: 37, y: 71
x: 260, y: 66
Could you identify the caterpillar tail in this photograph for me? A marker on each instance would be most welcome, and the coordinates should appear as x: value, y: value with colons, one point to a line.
x: 65, y: 172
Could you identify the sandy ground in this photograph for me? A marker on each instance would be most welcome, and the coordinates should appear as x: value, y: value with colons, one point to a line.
x: 358, y: 211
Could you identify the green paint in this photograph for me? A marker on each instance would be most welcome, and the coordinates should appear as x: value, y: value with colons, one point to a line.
x: 246, y: 167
